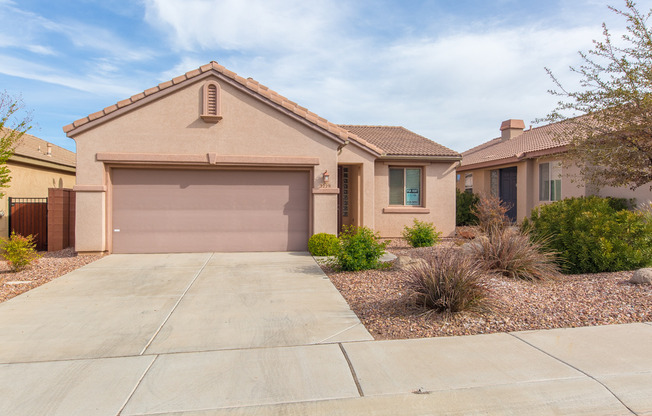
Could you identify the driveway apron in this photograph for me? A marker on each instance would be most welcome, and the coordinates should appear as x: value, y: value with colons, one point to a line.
x: 209, y: 334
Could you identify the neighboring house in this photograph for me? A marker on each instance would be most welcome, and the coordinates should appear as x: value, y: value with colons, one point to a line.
x: 523, y: 168
x: 211, y: 161
x: 36, y: 166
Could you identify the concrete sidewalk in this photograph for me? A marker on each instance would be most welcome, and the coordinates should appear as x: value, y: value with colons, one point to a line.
x: 208, y: 334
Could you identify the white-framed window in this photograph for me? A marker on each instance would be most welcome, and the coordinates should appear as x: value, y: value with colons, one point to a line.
x: 550, y: 181
x: 468, y: 183
x: 405, y: 186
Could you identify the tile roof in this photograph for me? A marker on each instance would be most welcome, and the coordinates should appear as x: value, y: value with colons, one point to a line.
x: 496, y: 151
x: 380, y: 140
x: 35, y: 148
x: 399, y: 141
x: 250, y: 84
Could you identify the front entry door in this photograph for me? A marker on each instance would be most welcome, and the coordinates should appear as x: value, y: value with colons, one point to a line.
x: 508, y: 190
x: 347, y: 199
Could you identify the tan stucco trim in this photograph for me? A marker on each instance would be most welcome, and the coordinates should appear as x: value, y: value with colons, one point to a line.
x: 42, y: 163
x: 89, y: 188
x: 406, y: 210
x: 325, y: 190
x: 207, y: 159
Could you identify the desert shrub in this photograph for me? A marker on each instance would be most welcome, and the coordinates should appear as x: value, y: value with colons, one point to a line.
x: 591, y: 236
x: 464, y: 215
x: 491, y: 213
x: 619, y: 204
x: 421, y: 234
x: 323, y: 244
x: 448, y: 281
x: 359, y: 249
x: 19, y: 251
x: 512, y: 253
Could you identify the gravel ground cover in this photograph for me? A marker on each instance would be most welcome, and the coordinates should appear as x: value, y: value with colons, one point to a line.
x: 378, y: 297
x: 50, y: 266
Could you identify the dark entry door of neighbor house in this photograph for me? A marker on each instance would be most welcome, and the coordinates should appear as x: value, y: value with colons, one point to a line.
x: 508, y: 190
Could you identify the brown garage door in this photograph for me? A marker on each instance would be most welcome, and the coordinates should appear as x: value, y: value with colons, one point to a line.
x: 171, y: 211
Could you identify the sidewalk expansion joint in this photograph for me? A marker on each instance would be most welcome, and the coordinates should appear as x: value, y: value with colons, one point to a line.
x: 140, y: 380
x: 338, y: 333
x: 353, y: 374
x: 176, y: 304
x: 577, y: 369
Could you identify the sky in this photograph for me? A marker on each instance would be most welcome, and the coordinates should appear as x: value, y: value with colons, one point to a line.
x: 449, y: 70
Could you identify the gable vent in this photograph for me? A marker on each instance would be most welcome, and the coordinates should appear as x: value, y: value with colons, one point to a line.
x: 211, y: 111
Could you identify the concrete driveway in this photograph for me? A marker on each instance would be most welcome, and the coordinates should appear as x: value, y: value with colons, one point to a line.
x: 267, y: 333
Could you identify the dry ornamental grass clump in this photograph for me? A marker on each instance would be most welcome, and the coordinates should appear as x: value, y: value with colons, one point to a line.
x: 511, y: 253
x: 448, y: 281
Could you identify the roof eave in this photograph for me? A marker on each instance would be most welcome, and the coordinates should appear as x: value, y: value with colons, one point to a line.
x: 513, y: 159
x: 43, y: 163
x: 440, y: 158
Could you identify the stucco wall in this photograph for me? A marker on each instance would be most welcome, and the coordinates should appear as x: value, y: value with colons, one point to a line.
x: 439, y: 196
x: 642, y: 194
x: 30, y: 181
x: 171, y: 125
x: 527, y: 183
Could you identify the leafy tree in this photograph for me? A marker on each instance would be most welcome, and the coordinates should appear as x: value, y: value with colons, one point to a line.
x: 609, y: 129
x: 14, y: 122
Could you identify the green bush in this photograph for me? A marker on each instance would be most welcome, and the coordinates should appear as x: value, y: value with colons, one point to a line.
x: 323, y: 244
x: 19, y: 251
x: 359, y: 249
x: 619, y: 204
x: 513, y: 254
x: 465, y: 203
x: 422, y: 234
x: 590, y: 236
x: 448, y: 281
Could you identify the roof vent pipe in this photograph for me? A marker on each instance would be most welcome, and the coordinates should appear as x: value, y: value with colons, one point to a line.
x: 49, y: 149
x: 511, y: 128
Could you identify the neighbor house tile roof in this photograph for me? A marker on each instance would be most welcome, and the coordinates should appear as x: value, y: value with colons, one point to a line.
x: 35, y: 148
x: 530, y: 143
x: 275, y: 99
x: 399, y: 141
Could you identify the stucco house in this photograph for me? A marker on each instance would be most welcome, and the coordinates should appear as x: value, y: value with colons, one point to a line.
x: 35, y: 166
x: 211, y: 161
x: 523, y: 168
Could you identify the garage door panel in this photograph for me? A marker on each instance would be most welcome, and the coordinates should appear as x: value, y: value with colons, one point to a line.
x: 189, y: 210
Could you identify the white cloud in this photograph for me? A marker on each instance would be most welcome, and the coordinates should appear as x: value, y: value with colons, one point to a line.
x: 34, y: 33
x: 93, y: 83
x: 455, y: 89
x: 273, y: 25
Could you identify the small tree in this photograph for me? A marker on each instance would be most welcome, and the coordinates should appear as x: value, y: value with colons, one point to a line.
x: 609, y: 129
x: 14, y: 122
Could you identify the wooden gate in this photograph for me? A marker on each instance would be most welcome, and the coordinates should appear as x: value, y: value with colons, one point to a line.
x: 29, y: 216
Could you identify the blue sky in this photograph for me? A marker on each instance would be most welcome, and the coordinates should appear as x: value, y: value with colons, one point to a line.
x: 449, y: 70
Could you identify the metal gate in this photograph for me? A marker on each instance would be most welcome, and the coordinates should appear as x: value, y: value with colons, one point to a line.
x: 29, y: 216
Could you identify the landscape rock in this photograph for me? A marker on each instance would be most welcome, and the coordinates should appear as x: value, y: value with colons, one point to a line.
x: 405, y: 262
x: 642, y: 277
x: 474, y: 245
